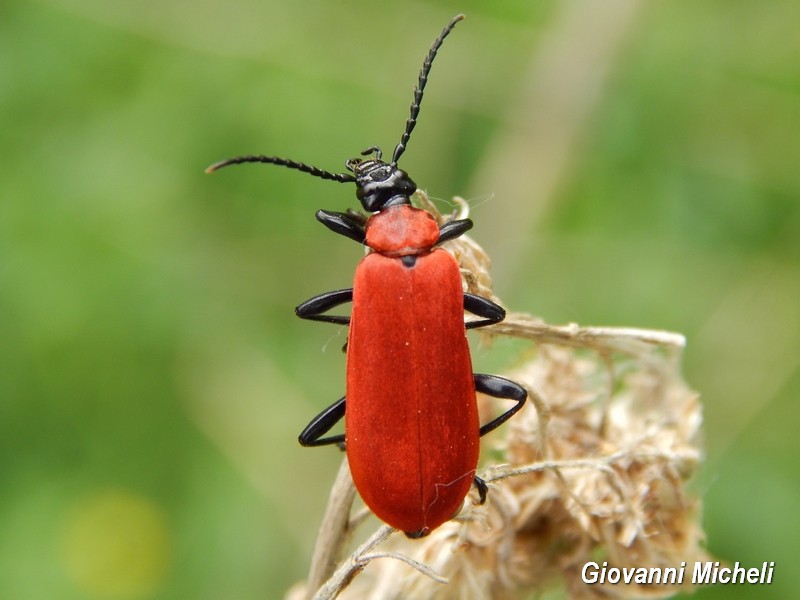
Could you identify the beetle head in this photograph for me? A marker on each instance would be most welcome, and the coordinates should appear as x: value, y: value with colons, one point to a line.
x: 380, y: 184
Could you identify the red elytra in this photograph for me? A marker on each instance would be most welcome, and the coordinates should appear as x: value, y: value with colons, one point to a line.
x: 411, y: 408
x: 411, y: 420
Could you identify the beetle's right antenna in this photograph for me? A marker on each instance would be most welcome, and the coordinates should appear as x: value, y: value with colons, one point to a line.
x: 283, y: 162
x: 423, y: 79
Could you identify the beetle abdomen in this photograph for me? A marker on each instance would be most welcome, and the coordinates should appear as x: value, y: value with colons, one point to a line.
x: 411, y: 423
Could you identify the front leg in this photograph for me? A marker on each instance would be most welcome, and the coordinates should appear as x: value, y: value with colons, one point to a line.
x: 453, y: 229
x: 343, y: 224
x: 313, y: 308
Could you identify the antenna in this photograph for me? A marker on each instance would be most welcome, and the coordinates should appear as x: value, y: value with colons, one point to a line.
x: 351, y: 164
x: 423, y: 79
x: 283, y: 162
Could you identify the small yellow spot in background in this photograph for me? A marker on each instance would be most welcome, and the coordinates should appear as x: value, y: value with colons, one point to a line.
x: 116, y: 544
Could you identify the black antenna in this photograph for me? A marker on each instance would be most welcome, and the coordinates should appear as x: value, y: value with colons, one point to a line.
x: 423, y: 79
x: 283, y: 162
x: 352, y: 164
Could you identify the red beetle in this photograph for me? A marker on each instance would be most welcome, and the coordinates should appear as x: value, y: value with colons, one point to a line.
x: 411, y: 418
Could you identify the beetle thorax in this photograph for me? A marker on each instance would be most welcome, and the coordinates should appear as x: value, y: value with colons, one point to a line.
x: 402, y: 231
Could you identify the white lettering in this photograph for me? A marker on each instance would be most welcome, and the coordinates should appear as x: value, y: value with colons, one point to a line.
x: 738, y: 572
x: 682, y: 572
x: 701, y: 573
x: 669, y: 574
x: 753, y: 575
x: 589, y: 577
x: 644, y: 575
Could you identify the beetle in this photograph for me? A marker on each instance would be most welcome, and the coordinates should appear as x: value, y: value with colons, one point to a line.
x: 410, y: 409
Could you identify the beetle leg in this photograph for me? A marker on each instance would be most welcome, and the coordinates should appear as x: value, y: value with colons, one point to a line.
x: 482, y: 489
x: 483, y: 307
x: 343, y: 224
x: 500, y: 387
x: 453, y: 229
x: 322, y: 424
x: 313, y: 308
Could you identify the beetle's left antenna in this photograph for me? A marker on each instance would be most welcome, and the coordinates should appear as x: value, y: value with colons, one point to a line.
x: 423, y: 79
x: 283, y: 162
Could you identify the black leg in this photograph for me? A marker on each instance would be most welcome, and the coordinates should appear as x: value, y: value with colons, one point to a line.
x: 313, y: 308
x: 478, y: 305
x: 500, y: 387
x: 322, y: 424
x: 453, y: 229
x: 482, y: 488
x: 343, y: 224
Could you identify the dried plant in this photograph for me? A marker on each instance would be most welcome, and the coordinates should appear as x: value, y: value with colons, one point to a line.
x: 594, y: 468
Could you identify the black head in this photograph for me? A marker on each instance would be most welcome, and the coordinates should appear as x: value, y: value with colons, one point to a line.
x: 379, y: 184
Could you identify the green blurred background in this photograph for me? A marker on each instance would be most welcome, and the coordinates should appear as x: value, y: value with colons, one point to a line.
x: 628, y: 163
